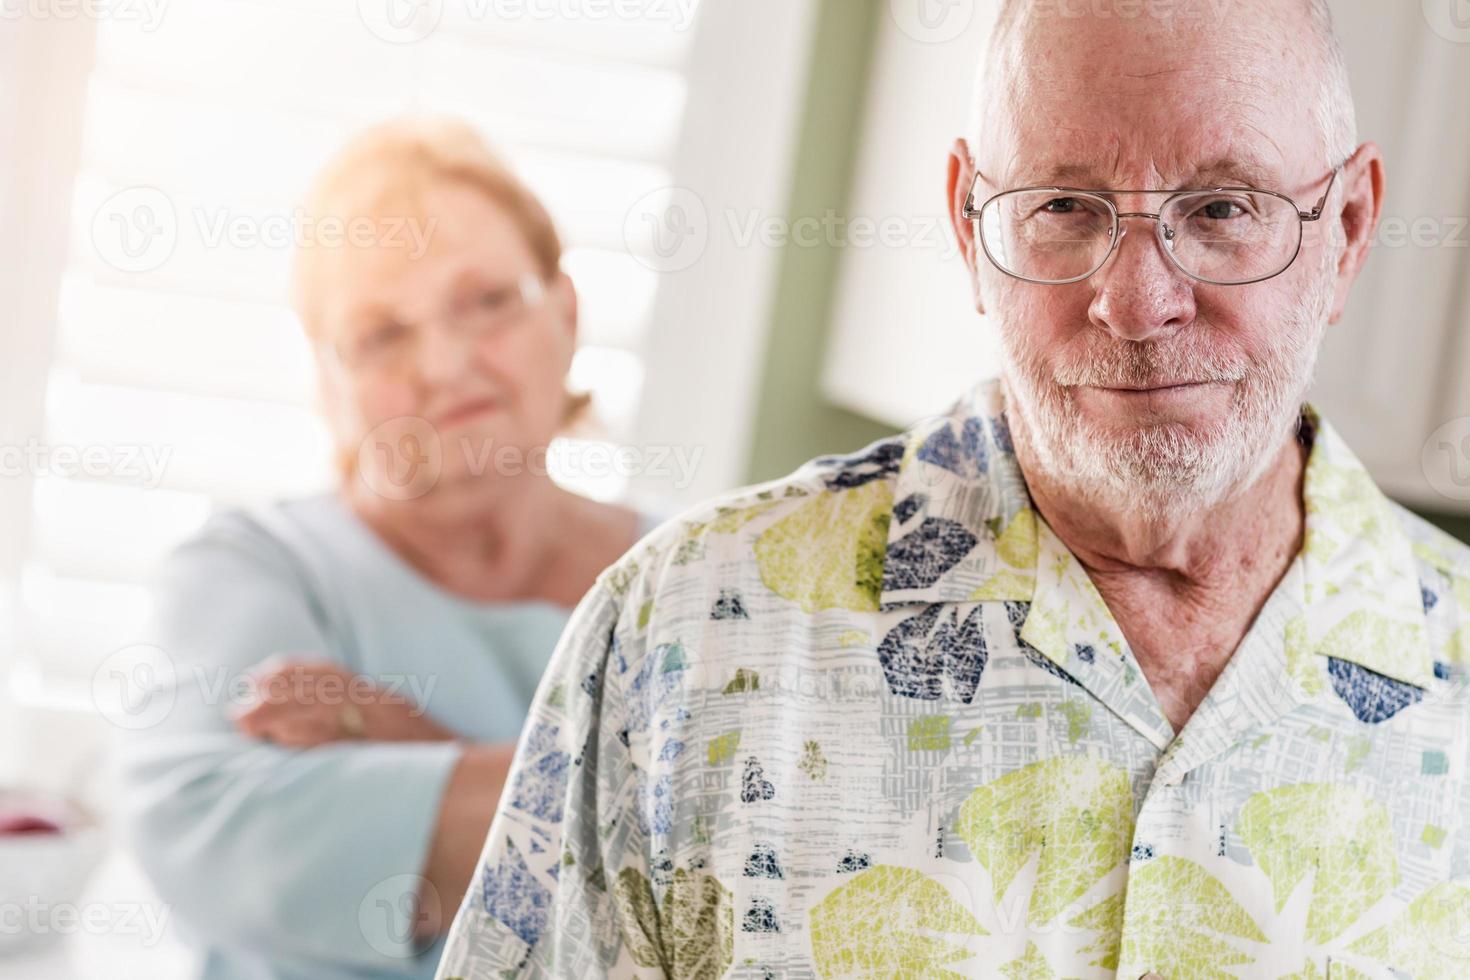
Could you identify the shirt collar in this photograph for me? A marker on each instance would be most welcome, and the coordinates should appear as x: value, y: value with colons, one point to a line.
x: 963, y: 529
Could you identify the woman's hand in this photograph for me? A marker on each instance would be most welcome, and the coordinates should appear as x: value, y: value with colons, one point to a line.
x: 301, y: 703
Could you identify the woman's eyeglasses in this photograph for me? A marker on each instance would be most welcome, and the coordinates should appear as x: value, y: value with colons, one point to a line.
x: 392, y: 347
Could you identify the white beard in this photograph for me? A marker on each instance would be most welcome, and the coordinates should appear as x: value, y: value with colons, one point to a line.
x: 1166, y: 469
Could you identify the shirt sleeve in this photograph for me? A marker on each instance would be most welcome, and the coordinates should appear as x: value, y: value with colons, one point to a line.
x: 542, y: 902
x: 309, y: 853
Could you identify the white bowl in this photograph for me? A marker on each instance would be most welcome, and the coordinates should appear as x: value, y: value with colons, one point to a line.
x: 42, y: 879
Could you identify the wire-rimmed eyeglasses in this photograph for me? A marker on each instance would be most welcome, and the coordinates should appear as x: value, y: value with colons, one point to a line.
x: 1226, y: 236
x: 392, y: 346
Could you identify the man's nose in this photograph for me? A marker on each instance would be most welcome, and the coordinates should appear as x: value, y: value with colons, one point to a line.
x: 1139, y: 293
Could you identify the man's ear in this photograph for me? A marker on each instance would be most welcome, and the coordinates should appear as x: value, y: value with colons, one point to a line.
x: 961, y: 178
x: 1362, y: 206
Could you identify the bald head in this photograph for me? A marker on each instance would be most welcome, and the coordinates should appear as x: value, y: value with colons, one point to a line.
x: 1281, y: 48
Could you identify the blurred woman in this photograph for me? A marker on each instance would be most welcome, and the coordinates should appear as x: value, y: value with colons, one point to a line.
x: 349, y: 671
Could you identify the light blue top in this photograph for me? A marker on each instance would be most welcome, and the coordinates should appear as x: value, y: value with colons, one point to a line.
x: 282, y: 864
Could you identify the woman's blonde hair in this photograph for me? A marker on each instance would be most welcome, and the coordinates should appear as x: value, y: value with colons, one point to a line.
x: 387, y: 169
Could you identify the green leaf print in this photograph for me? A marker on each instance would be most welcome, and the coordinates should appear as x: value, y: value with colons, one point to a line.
x: 1314, y: 971
x: 639, y: 912
x: 828, y: 553
x: 1378, y: 642
x: 1016, y: 546
x: 1175, y: 915
x: 881, y: 924
x: 1430, y: 939
x: 1302, y: 663
x: 699, y: 926
x: 722, y: 747
x: 1077, y: 811
x: 693, y: 938
x: 745, y: 679
x: 727, y: 520
x: 1350, y: 506
x: 1106, y: 920
x: 1336, y: 833
x: 813, y: 762
x: 1030, y: 966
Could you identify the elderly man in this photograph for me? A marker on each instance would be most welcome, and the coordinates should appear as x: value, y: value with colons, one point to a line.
x: 1123, y: 668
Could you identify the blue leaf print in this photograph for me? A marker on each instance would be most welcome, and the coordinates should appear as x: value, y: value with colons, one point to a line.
x: 762, y: 863
x: 729, y: 606
x: 1373, y: 697
x: 760, y: 917
x: 853, y: 471
x: 965, y: 455
x: 540, y: 787
x: 909, y: 506
x: 1045, y: 663
x: 919, y: 653
x: 513, y: 896
x: 660, y: 675
x: 1429, y: 598
x: 1000, y: 430
x: 919, y: 558
x: 657, y: 813
x: 755, y: 786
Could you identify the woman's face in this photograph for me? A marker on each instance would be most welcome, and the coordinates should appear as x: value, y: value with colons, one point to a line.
x: 443, y: 373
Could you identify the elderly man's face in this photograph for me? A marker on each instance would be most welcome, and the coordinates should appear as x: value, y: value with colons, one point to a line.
x: 1159, y: 103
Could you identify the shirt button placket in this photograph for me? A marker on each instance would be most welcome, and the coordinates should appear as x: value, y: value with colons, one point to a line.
x: 1141, y: 834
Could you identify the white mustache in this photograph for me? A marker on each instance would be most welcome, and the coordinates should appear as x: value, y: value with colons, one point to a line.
x: 1129, y: 371
x: 1137, y: 382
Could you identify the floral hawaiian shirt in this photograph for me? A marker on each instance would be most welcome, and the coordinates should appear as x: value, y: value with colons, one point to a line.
x: 874, y: 719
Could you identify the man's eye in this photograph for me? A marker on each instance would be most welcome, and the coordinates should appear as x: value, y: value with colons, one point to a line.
x: 1221, y: 210
x: 1062, y: 205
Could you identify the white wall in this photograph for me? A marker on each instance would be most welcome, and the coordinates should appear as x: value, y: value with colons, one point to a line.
x: 905, y: 337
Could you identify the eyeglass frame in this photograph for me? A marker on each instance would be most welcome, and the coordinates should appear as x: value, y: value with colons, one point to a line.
x: 533, y: 290
x: 971, y: 213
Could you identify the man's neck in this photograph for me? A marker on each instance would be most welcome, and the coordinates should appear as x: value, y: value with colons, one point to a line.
x: 1185, y: 591
x: 1199, y: 551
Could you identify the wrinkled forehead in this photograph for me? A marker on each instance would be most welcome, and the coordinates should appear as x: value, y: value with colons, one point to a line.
x: 1151, y: 101
x: 1097, y: 156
